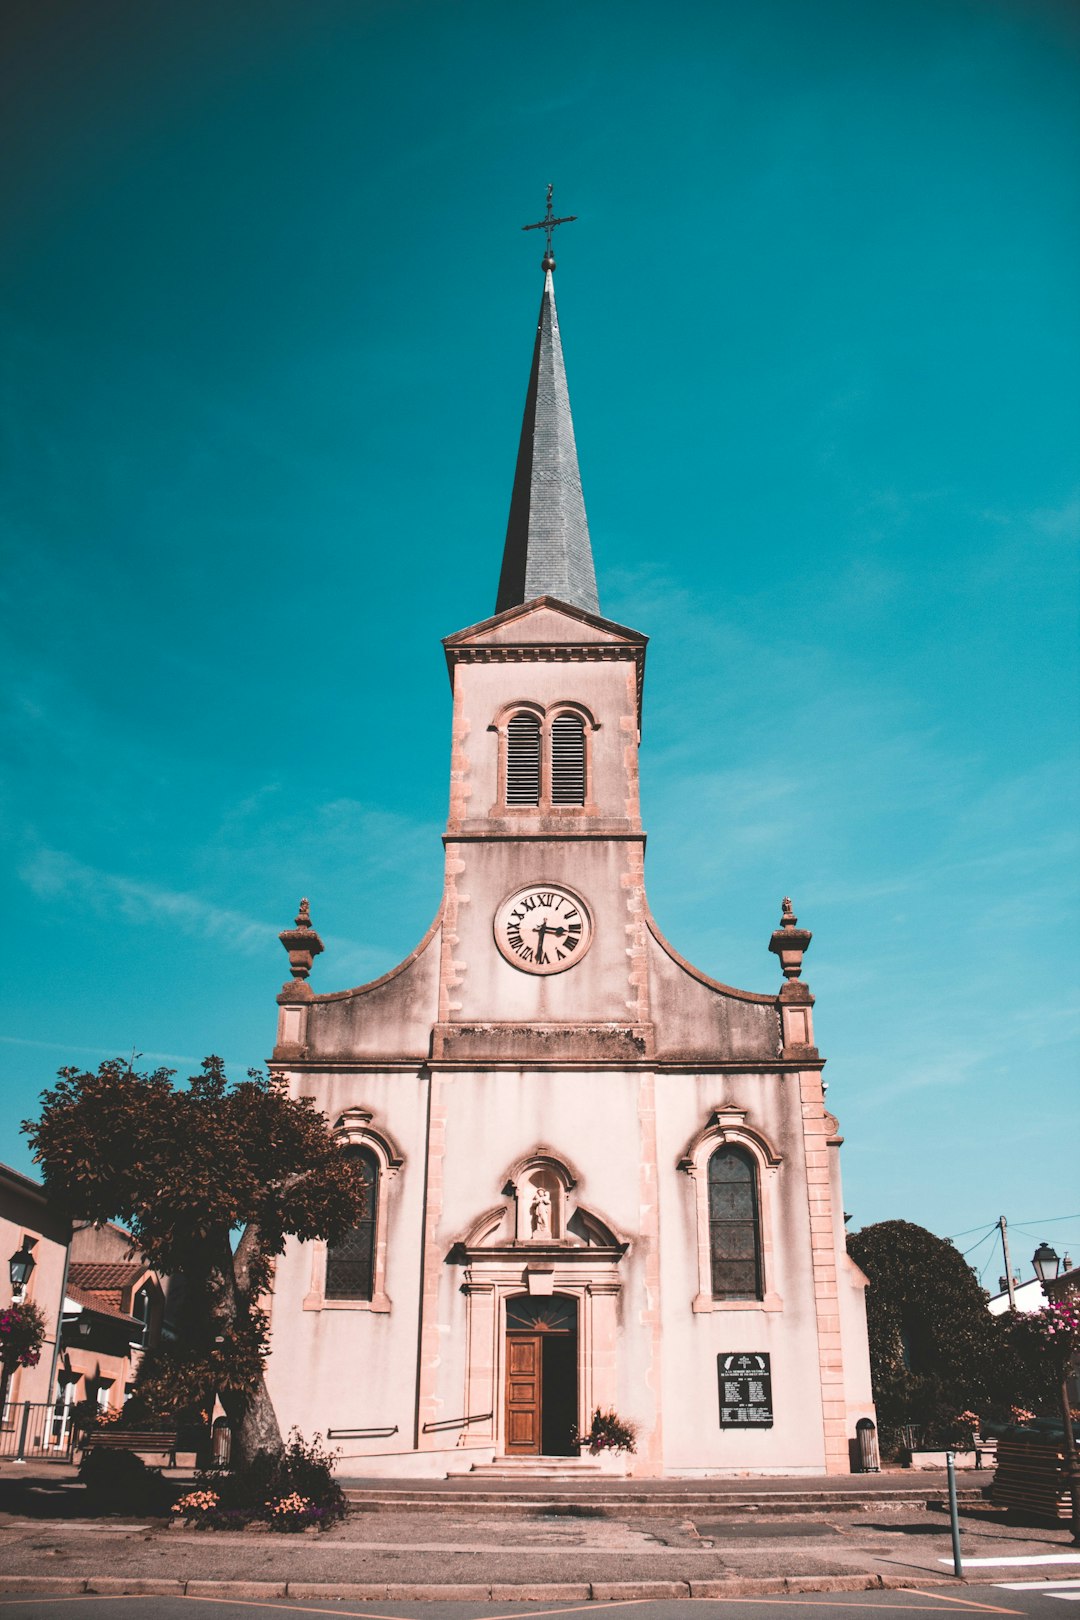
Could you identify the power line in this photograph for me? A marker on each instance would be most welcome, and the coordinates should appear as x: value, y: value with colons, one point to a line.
x: 1051, y: 1220
x: 980, y: 1243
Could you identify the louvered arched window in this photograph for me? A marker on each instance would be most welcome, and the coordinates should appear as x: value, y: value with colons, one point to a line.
x: 523, y: 759
x: 350, y: 1264
x: 734, y: 1229
x: 568, y: 759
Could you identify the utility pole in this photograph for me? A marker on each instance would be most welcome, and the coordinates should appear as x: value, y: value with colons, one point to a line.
x: 1008, y: 1263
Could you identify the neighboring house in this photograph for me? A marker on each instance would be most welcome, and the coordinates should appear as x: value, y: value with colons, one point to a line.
x: 114, y: 1307
x: 1029, y: 1296
x: 108, y: 1306
x: 28, y: 1220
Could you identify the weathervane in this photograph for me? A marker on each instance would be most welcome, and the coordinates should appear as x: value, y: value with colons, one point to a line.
x: 547, y: 225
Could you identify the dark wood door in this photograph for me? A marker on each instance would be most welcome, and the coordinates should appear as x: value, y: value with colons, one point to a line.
x: 524, y: 1366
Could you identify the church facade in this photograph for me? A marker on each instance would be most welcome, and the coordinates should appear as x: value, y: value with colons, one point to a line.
x: 597, y: 1178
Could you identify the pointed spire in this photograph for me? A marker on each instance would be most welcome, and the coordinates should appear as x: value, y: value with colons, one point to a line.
x: 547, y: 551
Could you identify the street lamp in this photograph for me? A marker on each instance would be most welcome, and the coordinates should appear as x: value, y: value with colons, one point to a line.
x: 20, y: 1266
x: 1046, y: 1262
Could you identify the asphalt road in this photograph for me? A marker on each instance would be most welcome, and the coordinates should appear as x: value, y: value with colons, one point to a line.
x: 1041, y: 1600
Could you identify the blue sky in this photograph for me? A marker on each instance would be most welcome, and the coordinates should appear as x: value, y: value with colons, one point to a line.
x: 268, y: 314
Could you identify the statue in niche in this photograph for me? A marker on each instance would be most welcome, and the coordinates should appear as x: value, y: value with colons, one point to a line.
x: 540, y: 1213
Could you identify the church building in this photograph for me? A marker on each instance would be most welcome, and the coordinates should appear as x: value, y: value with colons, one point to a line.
x: 597, y: 1179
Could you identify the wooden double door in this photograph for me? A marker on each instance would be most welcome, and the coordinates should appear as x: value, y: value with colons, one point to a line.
x: 541, y: 1376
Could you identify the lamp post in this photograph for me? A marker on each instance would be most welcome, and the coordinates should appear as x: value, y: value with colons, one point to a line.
x: 20, y: 1265
x: 1046, y: 1262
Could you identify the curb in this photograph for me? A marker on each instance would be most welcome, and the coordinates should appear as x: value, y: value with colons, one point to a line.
x: 497, y: 1592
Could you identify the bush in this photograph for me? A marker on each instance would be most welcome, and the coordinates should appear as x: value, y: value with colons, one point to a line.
x: 935, y: 1350
x: 291, y: 1490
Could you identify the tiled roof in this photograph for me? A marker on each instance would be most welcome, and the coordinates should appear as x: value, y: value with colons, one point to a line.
x: 105, y: 1304
x: 105, y: 1273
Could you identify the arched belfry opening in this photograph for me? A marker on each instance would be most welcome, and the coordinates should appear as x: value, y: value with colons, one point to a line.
x: 541, y: 1375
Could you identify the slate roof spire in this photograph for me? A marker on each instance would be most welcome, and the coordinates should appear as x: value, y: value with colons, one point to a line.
x: 547, y: 550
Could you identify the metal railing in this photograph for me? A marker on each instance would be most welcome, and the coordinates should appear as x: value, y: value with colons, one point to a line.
x: 361, y: 1434
x: 457, y: 1423
x: 37, y: 1431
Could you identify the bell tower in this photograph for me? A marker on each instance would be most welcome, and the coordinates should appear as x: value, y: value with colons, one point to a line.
x: 544, y: 911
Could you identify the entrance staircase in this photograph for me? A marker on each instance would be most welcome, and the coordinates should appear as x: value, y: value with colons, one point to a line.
x: 523, y: 1487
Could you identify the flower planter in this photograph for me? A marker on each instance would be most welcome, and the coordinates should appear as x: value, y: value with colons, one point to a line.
x: 612, y: 1462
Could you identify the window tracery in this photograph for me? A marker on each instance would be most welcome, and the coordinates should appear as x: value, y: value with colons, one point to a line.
x: 734, y: 1234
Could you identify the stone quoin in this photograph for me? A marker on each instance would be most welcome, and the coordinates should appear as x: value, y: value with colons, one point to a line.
x: 596, y: 1177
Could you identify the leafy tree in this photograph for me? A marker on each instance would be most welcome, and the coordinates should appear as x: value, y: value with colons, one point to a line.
x: 933, y: 1344
x: 185, y: 1169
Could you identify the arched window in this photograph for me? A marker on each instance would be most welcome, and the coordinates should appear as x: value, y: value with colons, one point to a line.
x: 350, y: 1264
x: 734, y: 1232
x: 568, y: 759
x: 523, y: 759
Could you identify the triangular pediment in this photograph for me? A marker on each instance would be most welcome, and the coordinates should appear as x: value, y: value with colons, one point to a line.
x: 544, y: 622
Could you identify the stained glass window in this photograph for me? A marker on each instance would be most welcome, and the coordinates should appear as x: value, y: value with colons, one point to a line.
x: 734, y: 1238
x: 350, y: 1264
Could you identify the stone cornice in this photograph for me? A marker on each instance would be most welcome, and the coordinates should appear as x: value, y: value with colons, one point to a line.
x: 544, y: 652
x: 422, y: 1067
x: 481, y: 833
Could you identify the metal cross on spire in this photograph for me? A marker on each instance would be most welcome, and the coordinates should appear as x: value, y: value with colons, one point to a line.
x: 547, y: 225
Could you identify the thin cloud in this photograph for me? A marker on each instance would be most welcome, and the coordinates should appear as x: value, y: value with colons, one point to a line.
x: 117, y: 1051
x: 52, y: 874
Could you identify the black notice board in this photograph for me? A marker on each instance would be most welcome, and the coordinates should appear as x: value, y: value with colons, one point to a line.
x: 745, y: 1378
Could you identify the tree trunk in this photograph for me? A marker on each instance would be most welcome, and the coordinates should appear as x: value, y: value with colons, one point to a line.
x: 252, y: 1418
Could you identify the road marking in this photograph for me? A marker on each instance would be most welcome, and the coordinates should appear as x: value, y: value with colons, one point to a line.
x: 1035, y: 1586
x: 1040, y: 1558
x: 943, y: 1597
x: 789, y: 1600
x: 291, y: 1606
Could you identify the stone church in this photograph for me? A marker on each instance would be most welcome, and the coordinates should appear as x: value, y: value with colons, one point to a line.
x: 597, y: 1178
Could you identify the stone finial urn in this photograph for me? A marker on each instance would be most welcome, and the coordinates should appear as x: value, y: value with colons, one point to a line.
x: 302, y: 943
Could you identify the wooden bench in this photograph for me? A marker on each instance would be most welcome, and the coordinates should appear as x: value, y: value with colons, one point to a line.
x: 141, y: 1441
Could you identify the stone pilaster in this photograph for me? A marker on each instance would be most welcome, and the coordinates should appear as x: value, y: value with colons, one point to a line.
x: 650, y: 1460
x: 427, y: 1402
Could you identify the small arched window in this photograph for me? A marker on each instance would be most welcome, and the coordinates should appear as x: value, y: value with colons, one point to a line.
x: 568, y: 759
x: 734, y: 1229
x: 523, y: 759
x: 350, y: 1264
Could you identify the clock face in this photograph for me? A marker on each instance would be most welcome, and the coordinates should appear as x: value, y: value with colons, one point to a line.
x: 543, y: 929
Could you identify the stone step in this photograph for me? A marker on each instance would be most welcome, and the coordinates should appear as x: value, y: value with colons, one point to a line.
x: 640, y: 1499
x: 538, y: 1468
